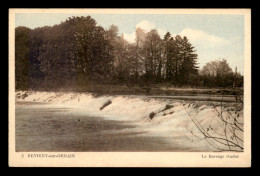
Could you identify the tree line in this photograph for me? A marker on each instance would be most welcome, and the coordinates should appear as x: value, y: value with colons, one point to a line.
x: 79, y: 52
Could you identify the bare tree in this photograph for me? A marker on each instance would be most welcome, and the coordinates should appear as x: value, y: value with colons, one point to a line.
x: 228, y: 134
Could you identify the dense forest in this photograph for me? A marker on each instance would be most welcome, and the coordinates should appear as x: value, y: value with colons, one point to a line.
x: 79, y: 53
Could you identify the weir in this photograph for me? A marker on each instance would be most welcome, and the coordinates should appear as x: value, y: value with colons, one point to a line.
x: 170, y: 119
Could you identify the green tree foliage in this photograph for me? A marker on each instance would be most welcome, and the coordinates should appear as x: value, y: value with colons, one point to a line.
x: 22, y: 53
x: 56, y: 55
x: 216, y: 68
x: 188, y: 66
x: 73, y: 50
x: 153, y: 53
x: 94, y: 62
x: 180, y: 60
x: 78, y: 51
x: 36, y: 42
x: 218, y: 73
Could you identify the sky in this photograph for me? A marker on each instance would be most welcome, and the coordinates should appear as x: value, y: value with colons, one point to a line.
x: 213, y: 36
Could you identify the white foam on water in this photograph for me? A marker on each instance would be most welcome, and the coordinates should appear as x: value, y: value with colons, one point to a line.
x: 173, y: 123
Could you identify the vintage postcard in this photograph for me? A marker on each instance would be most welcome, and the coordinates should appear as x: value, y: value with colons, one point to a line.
x: 129, y: 87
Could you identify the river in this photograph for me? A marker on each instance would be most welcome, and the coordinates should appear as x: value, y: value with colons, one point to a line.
x: 43, y: 128
x: 59, y: 129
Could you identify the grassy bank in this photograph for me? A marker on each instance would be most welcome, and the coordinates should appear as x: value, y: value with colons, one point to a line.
x: 104, y: 89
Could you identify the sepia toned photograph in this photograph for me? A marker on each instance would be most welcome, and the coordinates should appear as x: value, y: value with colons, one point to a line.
x: 90, y: 84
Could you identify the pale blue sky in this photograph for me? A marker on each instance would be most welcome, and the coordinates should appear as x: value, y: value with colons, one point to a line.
x: 214, y: 36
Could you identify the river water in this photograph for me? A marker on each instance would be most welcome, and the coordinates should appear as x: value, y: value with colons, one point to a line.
x: 41, y: 128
